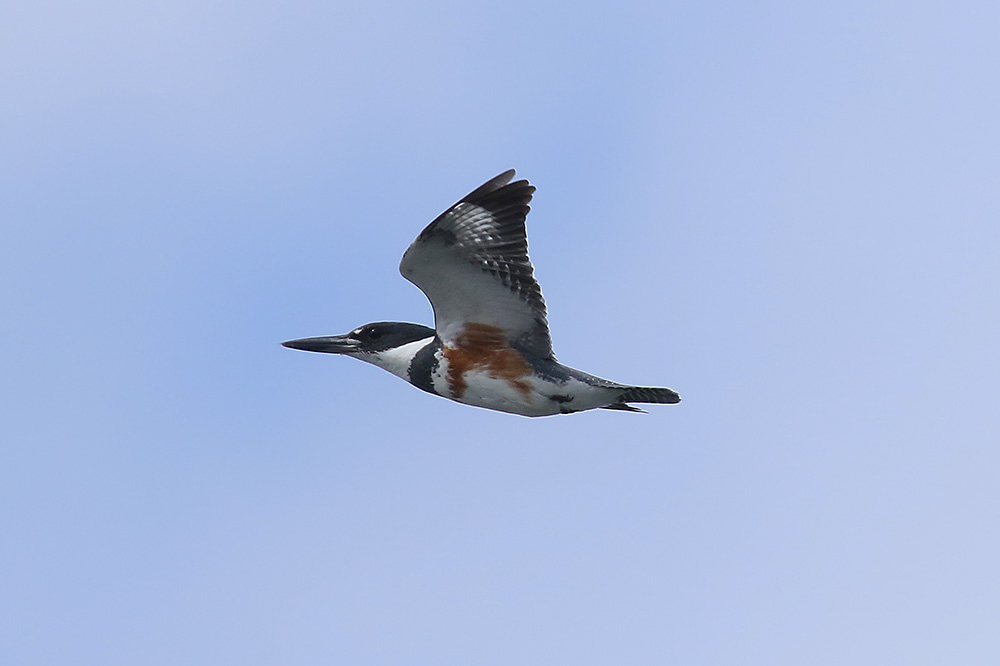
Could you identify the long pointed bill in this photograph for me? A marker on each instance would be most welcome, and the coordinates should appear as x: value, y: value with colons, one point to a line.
x: 332, y: 344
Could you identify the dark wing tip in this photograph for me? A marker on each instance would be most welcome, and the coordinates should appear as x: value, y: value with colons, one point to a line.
x: 501, y: 182
x: 492, y: 184
x: 505, y: 199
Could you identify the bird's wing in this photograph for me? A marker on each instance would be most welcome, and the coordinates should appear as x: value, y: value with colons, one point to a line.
x: 472, y: 263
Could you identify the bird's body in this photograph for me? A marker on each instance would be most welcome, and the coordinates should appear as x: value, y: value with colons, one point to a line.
x: 490, y: 346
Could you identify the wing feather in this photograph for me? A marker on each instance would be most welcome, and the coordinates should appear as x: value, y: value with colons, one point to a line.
x: 472, y: 263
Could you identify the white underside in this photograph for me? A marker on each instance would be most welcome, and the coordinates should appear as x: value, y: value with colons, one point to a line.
x: 484, y: 389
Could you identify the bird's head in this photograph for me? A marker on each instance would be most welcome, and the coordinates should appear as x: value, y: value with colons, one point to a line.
x: 384, y: 343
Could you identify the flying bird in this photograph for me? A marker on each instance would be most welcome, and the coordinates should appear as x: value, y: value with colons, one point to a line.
x: 490, y: 345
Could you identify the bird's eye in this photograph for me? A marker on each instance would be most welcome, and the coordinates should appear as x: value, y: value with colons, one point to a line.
x: 369, y: 333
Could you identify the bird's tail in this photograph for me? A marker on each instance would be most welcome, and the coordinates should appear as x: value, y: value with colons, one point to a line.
x: 644, y: 394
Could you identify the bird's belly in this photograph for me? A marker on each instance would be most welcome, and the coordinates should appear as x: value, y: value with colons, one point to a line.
x: 527, y: 395
x: 502, y: 394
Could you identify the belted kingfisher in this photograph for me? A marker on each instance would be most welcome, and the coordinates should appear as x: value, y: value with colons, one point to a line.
x: 490, y: 345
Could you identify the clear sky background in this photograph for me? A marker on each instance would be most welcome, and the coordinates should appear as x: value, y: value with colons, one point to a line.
x: 787, y: 211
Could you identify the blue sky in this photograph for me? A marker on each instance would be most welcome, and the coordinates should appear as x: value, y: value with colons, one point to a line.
x: 788, y: 212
